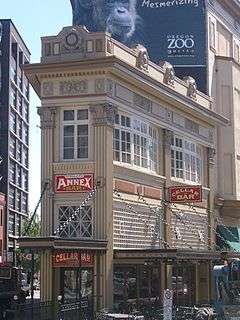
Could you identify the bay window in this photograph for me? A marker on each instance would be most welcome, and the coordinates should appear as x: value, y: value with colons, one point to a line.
x: 135, y: 142
x: 75, y: 134
x: 186, y: 160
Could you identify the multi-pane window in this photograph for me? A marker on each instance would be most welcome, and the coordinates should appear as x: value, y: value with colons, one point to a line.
x: 24, y: 204
x: 186, y: 160
x: 135, y: 142
x: 18, y: 200
x: 11, y: 224
x: 12, y: 121
x: 25, y: 110
x: 12, y: 172
x: 25, y: 133
x: 81, y: 225
x: 11, y: 198
x: 12, y: 146
x: 75, y: 134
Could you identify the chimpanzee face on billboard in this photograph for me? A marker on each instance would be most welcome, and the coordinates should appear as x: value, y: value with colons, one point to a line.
x: 117, y: 17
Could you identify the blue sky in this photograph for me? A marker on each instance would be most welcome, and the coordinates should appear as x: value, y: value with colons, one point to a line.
x: 34, y: 19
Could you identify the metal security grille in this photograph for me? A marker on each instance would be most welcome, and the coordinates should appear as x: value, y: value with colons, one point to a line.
x: 80, y: 226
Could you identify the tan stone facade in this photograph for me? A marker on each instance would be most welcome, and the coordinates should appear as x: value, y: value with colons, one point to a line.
x: 108, y: 112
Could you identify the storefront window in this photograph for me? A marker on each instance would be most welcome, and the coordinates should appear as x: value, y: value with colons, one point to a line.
x: 136, y: 285
x: 183, y: 284
x: 78, y: 286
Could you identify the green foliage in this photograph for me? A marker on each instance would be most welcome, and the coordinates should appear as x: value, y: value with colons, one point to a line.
x: 24, y: 256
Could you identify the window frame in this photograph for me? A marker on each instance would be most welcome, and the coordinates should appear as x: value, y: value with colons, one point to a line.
x: 197, y: 154
x: 152, y: 162
x: 76, y: 205
x: 75, y: 123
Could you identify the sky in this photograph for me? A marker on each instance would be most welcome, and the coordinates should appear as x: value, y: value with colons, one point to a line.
x: 34, y: 19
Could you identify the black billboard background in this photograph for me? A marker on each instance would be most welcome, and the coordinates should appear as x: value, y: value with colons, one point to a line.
x: 175, y: 31
x: 171, y: 30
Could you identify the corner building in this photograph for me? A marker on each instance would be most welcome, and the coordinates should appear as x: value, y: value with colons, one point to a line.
x: 117, y: 132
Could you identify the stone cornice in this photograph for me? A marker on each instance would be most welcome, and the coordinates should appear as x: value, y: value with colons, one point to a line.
x: 71, y: 167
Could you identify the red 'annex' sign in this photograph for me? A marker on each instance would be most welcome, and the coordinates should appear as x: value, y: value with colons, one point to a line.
x: 74, y: 183
x: 185, y: 194
x: 72, y: 259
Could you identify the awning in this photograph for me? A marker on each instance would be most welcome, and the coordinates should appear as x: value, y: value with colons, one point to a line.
x: 55, y: 243
x: 228, y: 238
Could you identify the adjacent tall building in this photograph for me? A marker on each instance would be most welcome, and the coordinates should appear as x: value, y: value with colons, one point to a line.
x: 14, y: 131
x: 224, y: 86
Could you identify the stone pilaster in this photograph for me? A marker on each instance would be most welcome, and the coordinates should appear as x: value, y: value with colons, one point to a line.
x: 211, y: 152
x: 103, y: 121
x: 167, y: 138
x: 47, y: 117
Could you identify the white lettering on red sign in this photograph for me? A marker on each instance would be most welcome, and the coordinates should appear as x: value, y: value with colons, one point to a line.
x: 74, y: 183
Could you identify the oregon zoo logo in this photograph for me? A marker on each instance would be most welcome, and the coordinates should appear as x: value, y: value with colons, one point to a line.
x: 180, y: 44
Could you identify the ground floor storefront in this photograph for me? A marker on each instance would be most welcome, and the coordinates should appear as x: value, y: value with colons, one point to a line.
x: 126, y: 281
x: 141, y: 276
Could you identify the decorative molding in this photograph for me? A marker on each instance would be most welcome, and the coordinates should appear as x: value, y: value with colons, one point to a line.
x: 110, y: 87
x: 142, y: 102
x: 169, y: 73
x: 99, y: 85
x: 142, y: 59
x: 211, y: 155
x: 71, y: 167
x: 167, y: 137
x: 48, y: 88
x: 47, y: 117
x: 103, y: 114
x: 73, y: 87
x: 192, y: 87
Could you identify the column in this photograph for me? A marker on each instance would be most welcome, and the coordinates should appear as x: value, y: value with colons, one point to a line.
x: 167, y: 138
x: 103, y: 120
x: 211, y: 180
x: 47, y: 116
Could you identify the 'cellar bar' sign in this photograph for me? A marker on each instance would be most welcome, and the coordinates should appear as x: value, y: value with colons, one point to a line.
x: 74, y: 183
x: 185, y: 194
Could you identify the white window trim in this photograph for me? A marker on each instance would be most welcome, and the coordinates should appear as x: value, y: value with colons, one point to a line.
x: 185, y: 151
x: 75, y: 123
x: 133, y: 131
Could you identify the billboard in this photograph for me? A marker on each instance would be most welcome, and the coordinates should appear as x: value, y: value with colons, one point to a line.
x: 171, y: 30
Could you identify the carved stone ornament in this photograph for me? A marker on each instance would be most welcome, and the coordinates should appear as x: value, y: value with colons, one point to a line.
x: 47, y: 117
x: 47, y: 89
x: 142, y: 57
x: 211, y: 154
x: 73, y: 87
x: 100, y: 85
x: 192, y: 87
x: 103, y: 114
x: 168, y: 136
x: 169, y: 73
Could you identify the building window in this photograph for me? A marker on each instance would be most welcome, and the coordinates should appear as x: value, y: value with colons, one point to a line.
x: 24, y: 203
x: 12, y: 147
x: 75, y: 134
x: 25, y: 110
x: 135, y: 142
x: 12, y: 121
x: 186, y: 160
x: 11, y: 198
x: 25, y: 156
x: 25, y: 133
x: 81, y: 226
x: 19, y: 152
x: 11, y: 224
x: 18, y: 200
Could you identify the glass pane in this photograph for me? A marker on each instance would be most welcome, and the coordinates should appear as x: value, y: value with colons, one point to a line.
x: 68, y: 131
x: 83, y: 130
x: 68, y: 115
x: 68, y: 153
x: 82, y: 114
x: 70, y: 285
